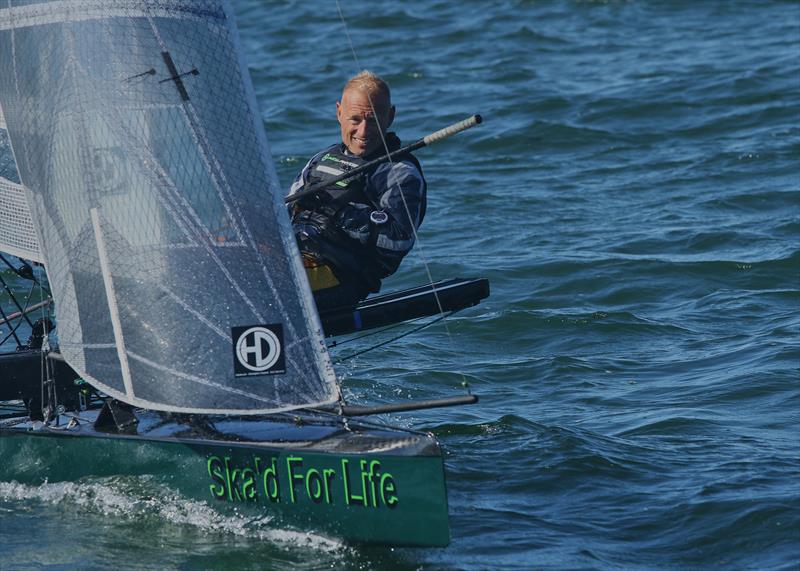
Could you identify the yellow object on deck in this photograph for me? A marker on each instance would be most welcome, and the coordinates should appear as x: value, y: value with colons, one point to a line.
x: 320, y: 275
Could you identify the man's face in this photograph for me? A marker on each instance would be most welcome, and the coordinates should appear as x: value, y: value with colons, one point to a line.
x: 361, y: 129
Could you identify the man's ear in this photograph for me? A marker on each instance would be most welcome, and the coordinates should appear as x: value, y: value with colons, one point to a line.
x: 339, y: 111
x: 391, y: 116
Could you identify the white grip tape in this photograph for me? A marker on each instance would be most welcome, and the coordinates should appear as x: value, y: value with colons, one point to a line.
x: 452, y: 129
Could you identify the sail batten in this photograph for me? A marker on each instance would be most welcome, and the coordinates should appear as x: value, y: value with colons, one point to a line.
x: 113, y: 310
x: 157, y: 208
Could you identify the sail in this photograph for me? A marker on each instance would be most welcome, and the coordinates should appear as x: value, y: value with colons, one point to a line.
x: 17, y: 234
x: 157, y: 209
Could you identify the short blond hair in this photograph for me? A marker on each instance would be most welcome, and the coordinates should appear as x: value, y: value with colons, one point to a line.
x: 371, y: 83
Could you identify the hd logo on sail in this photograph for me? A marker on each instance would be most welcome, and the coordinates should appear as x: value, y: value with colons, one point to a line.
x: 258, y: 350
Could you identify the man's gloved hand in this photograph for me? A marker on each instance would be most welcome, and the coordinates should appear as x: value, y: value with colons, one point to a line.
x: 314, y: 201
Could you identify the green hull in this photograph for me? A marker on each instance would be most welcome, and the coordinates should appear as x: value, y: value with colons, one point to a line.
x: 392, y: 497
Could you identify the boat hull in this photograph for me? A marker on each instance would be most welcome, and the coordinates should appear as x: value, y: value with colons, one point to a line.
x: 357, y: 486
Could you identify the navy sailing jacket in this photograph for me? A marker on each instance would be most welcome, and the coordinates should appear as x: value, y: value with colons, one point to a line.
x: 373, y: 250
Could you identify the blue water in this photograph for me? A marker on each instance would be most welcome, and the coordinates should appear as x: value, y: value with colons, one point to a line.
x: 634, y: 198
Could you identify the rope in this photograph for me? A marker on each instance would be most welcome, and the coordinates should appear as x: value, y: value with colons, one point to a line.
x: 417, y: 240
x: 375, y: 332
x: 439, y: 318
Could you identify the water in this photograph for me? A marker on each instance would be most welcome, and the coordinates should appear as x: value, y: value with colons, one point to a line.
x: 634, y: 198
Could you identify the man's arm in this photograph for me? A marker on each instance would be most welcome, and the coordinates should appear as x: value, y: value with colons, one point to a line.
x: 301, y: 178
x: 299, y: 183
x: 398, y: 190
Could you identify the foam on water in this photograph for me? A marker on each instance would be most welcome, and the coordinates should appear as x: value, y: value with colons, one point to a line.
x: 142, y: 500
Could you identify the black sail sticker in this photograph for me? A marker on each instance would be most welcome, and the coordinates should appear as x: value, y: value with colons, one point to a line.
x: 258, y: 350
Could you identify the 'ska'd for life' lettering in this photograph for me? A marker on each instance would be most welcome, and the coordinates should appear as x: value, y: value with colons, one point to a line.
x: 294, y: 479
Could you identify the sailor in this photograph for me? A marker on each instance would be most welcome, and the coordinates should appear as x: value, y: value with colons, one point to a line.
x: 354, y: 233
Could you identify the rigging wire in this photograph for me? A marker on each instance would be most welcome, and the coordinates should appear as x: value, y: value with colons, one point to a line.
x: 391, y: 162
x: 12, y: 296
x: 439, y: 318
x: 48, y: 394
x: 10, y: 318
x: 417, y: 240
x: 337, y: 344
x: 50, y: 407
x: 22, y: 312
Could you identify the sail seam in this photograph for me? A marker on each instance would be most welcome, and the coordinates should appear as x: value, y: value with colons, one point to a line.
x: 197, y: 315
x: 67, y: 345
x: 196, y: 379
x: 144, y: 403
x: 116, y: 324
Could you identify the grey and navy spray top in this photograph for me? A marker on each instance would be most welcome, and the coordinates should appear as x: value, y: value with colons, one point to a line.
x: 345, y: 222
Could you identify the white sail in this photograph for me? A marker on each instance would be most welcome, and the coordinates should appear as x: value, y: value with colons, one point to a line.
x: 159, y: 216
x: 17, y: 234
